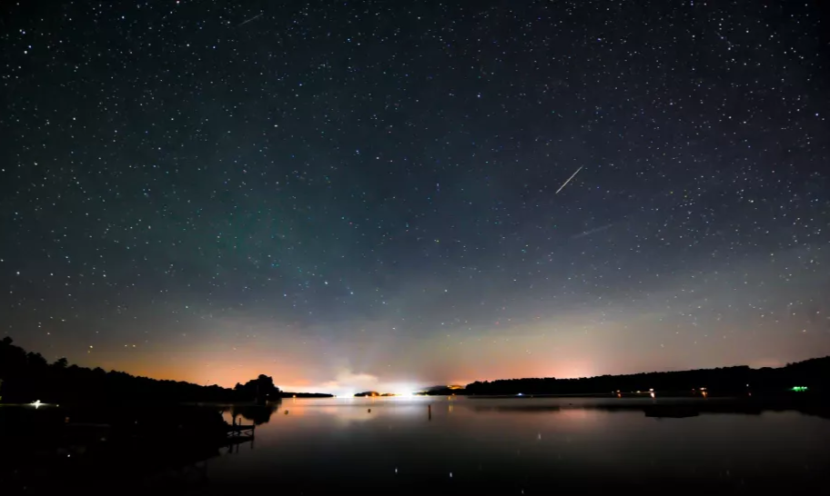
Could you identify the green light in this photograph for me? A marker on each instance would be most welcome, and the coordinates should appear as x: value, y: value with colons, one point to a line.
x: 799, y: 389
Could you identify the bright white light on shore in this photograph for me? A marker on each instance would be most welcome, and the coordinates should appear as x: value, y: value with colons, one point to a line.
x: 37, y: 404
x: 402, y: 389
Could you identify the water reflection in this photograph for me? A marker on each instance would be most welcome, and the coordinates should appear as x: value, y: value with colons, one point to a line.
x: 258, y: 414
x: 347, y: 410
x: 579, y: 443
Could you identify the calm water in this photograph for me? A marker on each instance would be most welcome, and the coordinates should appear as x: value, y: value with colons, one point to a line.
x: 530, y: 446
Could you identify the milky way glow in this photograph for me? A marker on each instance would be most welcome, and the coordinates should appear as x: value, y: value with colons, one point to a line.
x: 208, y: 192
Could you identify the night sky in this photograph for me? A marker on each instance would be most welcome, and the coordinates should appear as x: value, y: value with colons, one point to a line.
x: 350, y: 195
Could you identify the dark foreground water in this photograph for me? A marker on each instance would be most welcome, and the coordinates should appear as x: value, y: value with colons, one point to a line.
x: 522, y: 446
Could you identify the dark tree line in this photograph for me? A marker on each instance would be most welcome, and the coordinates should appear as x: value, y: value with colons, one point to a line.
x: 813, y: 374
x: 261, y: 389
x: 372, y: 394
x: 26, y: 377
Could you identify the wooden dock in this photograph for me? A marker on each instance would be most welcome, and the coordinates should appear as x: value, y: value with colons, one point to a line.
x: 240, y: 429
x: 239, y: 433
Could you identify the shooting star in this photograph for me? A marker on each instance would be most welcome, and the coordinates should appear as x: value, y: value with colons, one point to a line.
x: 569, y: 180
x: 592, y: 231
x: 254, y: 18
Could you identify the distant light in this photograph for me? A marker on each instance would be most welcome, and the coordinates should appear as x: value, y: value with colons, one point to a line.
x: 520, y: 394
x: 37, y: 404
x: 799, y: 389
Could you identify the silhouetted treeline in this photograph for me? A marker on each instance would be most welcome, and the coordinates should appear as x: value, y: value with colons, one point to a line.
x: 307, y: 395
x: 26, y: 377
x: 441, y: 391
x: 373, y: 393
x: 366, y: 393
x: 813, y: 374
x: 261, y: 389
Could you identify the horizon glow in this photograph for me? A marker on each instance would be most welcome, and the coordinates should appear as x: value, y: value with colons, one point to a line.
x: 432, y: 212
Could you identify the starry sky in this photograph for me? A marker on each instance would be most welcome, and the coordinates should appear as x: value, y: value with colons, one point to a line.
x: 369, y: 194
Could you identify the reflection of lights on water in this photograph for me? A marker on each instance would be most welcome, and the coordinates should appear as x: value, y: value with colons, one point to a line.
x: 652, y: 394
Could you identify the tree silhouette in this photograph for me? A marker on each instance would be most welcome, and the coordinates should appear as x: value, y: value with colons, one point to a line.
x: 27, y: 377
x: 260, y: 389
x: 813, y: 374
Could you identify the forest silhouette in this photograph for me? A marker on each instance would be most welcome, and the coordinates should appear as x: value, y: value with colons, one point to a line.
x: 26, y: 377
x: 812, y: 375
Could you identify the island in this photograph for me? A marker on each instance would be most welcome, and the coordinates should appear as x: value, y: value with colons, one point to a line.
x: 373, y: 394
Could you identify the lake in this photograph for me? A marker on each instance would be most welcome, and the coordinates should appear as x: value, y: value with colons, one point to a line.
x: 523, y: 446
